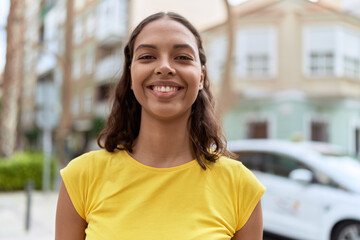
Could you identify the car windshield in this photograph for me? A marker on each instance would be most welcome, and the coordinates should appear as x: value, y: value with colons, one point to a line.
x: 346, y: 167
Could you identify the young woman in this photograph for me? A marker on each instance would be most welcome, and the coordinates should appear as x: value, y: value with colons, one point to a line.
x: 163, y: 173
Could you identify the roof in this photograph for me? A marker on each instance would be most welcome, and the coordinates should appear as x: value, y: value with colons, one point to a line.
x: 261, y: 7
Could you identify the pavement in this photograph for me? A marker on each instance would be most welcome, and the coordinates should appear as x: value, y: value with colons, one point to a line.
x: 13, y: 207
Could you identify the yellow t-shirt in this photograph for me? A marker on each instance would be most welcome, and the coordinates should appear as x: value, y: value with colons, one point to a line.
x: 121, y: 198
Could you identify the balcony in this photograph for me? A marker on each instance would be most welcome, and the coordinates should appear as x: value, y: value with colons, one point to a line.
x: 111, y: 22
x: 46, y: 63
x: 108, y: 68
x: 109, y: 36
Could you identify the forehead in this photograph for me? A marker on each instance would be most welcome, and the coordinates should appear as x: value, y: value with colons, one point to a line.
x: 165, y: 30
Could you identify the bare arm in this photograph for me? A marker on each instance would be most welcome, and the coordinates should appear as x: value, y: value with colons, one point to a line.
x: 253, y: 228
x: 69, y: 225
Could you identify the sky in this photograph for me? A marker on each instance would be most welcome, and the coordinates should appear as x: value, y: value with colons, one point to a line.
x: 4, y: 9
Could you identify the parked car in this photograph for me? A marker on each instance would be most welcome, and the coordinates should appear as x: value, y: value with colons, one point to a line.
x: 312, y: 189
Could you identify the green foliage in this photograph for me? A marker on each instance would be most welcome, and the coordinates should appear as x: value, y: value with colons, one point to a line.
x: 97, y: 124
x: 22, y: 167
x: 32, y: 136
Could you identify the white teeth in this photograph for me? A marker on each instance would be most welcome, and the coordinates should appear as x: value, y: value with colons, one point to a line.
x: 165, y: 89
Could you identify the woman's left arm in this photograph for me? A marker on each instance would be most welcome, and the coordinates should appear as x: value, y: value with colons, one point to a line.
x: 253, y: 228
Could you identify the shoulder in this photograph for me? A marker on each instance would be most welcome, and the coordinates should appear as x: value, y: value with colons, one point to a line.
x: 236, y: 171
x: 227, y: 164
x: 92, y: 159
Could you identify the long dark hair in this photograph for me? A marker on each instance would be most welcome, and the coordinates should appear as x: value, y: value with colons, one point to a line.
x: 123, y: 124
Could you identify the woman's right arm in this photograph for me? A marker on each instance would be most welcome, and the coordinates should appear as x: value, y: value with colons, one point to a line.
x: 69, y: 225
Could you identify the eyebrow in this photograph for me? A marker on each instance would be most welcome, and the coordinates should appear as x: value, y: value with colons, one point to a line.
x: 145, y: 46
x: 176, y: 46
x: 184, y: 46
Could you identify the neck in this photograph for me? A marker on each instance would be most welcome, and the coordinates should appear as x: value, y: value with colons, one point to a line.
x: 163, y: 143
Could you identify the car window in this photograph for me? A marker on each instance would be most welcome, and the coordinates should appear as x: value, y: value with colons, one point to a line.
x: 281, y: 165
x: 252, y: 160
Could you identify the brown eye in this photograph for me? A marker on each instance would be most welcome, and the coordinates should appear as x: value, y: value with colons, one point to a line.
x: 146, y: 57
x: 183, y: 57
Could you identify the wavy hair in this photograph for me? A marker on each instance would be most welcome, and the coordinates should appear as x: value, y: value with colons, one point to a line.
x: 123, y: 123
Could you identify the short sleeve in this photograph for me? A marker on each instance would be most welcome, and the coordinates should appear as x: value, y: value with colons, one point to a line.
x: 250, y: 191
x: 76, y: 180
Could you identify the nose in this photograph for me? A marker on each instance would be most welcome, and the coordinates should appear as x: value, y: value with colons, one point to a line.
x: 164, y: 68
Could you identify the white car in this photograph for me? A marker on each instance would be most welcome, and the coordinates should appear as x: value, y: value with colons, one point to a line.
x: 312, y: 189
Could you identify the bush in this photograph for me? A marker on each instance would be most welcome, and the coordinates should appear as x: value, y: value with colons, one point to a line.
x: 22, y: 167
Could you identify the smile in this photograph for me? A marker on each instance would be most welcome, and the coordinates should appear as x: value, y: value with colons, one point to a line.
x: 165, y: 89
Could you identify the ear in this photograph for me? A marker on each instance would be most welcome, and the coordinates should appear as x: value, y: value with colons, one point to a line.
x: 130, y: 78
x: 201, y: 84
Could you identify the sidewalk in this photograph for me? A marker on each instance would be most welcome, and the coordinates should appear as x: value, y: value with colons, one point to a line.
x: 13, y: 212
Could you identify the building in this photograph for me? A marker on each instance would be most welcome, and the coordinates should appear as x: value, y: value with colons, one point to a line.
x: 296, y: 72
x: 99, y: 34
x: 99, y: 29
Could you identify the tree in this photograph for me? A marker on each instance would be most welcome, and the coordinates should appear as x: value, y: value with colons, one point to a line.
x: 12, y: 78
x: 227, y: 95
x: 65, y: 120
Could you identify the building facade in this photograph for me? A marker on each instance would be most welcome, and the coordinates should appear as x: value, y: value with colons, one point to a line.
x: 296, y: 72
x: 99, y: 29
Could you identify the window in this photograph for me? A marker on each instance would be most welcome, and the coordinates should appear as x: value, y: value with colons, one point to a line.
x: 89, y: 62
x: 216, y: 58
x: 257, y: 65
x: 351, y: 67
x: 90, y: 24
x: 103, y: 92
x: 87, y: 101
x: 76, y: 69
x: 322, y: 64
x: 357, y: 141
x: 319, y: 131
x: 75, y: 106
x: 256, y: 52
x: 78, y: 31
x: 252, y: 160
x: 257, y: 129
x: 280, y: 165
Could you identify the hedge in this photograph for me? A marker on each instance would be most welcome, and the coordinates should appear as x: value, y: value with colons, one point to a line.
x: 24, y: 167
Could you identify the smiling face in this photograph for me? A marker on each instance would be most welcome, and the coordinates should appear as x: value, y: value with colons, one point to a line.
x: 166, y: 73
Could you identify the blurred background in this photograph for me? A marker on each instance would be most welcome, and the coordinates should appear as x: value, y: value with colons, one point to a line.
x: 279, y: 69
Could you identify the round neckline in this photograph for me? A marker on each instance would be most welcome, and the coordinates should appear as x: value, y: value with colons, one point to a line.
x: 155, y: 169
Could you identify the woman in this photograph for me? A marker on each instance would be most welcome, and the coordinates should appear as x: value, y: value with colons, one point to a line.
x: 163, y: 173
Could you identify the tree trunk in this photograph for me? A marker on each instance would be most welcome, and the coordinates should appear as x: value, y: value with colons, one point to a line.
x: 12, y: 78
x: 65, y: 119
x: 227, y: 95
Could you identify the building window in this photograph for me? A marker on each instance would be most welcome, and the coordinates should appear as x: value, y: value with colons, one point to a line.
x: 257, y: 65
x: 321, y: 64
x: 256, y: 52
x: 76, y: 69
x: 78, y: 31
x: 89, y: 62
x: 351, y: 67
x: 319, y: 131
x: 90, y: 24
x: 75, y: 106
x: 357, y: 141
x: 87, y: 101
x: 103, y: 92
x: 257, y: 129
